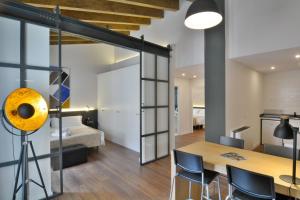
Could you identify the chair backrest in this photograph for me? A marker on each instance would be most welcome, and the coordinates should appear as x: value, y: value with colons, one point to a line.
x: 251, y: 183
x: 189, y: 162
x: 233, y: 142
x: 280, y: 151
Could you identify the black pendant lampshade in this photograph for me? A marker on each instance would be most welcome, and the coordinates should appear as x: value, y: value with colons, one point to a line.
x: 284, y: 130
x: 203, y: 14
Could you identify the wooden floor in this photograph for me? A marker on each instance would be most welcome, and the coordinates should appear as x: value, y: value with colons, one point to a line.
x: 183, y: 140
x: 114, y: 173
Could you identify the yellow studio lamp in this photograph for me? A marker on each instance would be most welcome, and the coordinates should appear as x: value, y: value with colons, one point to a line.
x: 25, y: 109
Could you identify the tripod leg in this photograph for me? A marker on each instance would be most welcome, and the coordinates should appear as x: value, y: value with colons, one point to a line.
x: 38, y: 168
x: 18, y: 172
x: 25, y: 172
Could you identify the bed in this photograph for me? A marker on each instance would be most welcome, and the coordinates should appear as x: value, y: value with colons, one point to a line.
x: 74, y: 132
x: 198, y: 117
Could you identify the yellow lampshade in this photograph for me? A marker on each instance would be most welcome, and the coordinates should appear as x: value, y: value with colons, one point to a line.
x: 25, y: 109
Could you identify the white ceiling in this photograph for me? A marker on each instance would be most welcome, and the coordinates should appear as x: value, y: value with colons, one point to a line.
x: 282, y: 60
x: 196, y: 70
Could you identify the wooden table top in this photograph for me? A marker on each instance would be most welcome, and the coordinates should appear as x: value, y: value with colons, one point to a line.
x: 255, y: 161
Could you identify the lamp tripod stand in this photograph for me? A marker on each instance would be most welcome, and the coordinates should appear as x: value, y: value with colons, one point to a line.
x: 26, y: 110
x: 23, y: 162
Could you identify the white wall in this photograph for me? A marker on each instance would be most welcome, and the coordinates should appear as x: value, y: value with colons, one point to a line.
x: 274, y: 21
x: 118, y: 105
x: 189, y: 44
x: 185, y: 105
x: 244, y: 101
x: 282, y: 91
x: 262, y: 26
x: 84, y: 61
x: 37, y: 48
x: 198, y: 92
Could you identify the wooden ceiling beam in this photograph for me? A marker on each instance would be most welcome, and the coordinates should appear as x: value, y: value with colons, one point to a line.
x: 106, y: 18
x: 158, y: 4
x: 99, y: 6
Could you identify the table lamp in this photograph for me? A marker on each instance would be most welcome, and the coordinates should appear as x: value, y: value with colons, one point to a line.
x: 285, y: 131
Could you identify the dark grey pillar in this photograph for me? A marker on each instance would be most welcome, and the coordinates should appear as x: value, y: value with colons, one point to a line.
x: 215, y: 79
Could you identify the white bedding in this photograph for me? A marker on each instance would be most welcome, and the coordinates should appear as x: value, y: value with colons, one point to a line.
x: 77, y: 134
x: 198, y: 120
x: 198, y: 116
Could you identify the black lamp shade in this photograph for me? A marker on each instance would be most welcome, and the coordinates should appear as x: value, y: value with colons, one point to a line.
x: 203, y: 14
x: 284, y: 130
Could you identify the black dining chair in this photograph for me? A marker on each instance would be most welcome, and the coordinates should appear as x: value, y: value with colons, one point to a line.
x: 232, y: 142
x: 191, y: 168
x: 247, y: 185
x: 280, y: 151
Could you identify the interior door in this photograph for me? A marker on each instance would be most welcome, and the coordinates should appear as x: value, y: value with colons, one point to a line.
x: 154, y: 108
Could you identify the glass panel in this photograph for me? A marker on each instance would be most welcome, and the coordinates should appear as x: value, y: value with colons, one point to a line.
x: 148, y: 65
x: 148, y: 151
x: 10, y: 145
x: 162, y: 68
x: 7, y: 182
x: 37, y: 45
x: 162, y: 145
x: 38, y: 80
x: 162, y: 94
x: 55, y: 174
x: 35, y: 191
x: 148, y: 96
x: 148, y: 119
x: 9, y: 81
x: 162, y: 119
x: 9, y: 41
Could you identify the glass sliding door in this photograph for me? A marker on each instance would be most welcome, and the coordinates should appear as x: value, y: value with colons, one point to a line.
x: 154, y: 91
x: 25, y: 62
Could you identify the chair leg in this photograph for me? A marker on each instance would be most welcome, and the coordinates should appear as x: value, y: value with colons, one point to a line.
x: 207, y: 191
x: 219, y: 188
x: 229, y: 192
x: 228, y: 197
x: 202, y: 191
x: 190, y: 190
x: 171, y: 190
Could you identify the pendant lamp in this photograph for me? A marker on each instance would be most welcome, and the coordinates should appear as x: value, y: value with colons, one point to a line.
x: 203, y: 14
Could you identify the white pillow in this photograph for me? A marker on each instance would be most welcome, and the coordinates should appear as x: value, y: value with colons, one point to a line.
x: 71, y: 121
x: 67, y: 122
x: 54, y: 123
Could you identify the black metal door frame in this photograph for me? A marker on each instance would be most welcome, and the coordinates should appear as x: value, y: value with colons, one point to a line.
x: 29, y: 14
x: 155, y: 107
x: 23, y: 67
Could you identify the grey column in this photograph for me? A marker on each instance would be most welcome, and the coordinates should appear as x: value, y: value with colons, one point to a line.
x: 215, y: 79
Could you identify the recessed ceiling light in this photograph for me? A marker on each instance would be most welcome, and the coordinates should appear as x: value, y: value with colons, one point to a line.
x: 194, y: 76
x: 183, y: 74
x: 272, y: 67
x: 297, y: 56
